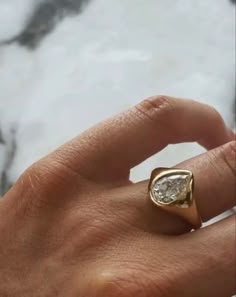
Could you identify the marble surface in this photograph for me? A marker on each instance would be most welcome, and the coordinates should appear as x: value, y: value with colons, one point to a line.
x: 67, y: 64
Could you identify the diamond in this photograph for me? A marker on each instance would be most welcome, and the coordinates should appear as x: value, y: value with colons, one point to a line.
x: 169, y: 189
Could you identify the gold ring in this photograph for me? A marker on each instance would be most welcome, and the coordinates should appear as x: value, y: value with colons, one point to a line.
x: 172, y: 190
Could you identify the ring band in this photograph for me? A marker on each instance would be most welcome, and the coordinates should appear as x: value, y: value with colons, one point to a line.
x: 172, y: 190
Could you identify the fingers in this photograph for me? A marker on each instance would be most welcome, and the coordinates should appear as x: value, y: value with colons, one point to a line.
x: 209, y: 255
x: 112, y: 148
x: 200, y: 263
x: 196, y: 264
x: 214, y: 174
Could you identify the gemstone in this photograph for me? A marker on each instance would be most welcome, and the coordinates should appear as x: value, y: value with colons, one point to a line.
x: 172, y: 188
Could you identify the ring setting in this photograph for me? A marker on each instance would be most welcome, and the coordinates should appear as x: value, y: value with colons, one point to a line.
x: 172, y: 190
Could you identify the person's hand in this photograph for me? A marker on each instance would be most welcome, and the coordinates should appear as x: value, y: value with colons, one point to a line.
x: 75, y: 226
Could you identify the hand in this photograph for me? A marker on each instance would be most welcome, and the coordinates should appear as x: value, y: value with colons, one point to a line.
x: 75, y: 226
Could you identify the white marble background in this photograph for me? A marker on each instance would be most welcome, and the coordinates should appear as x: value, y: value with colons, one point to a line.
x: 106, y: 59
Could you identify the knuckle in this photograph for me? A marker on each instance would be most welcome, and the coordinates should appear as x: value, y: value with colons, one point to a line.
x: 153, y: 107
x: 32, y: 176
x: 45, y: 184
x: 215, y: 115
x: 129, y: 283
x: 228, y: 155
x: 32, y: 188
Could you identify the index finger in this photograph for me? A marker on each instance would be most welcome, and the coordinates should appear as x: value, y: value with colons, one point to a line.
x: 110, y: 149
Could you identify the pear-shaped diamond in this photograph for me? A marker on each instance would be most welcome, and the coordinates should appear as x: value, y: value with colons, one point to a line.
x: 172, y: 188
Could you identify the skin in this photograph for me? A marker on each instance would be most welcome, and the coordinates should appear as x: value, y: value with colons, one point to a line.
x: 74, y: 225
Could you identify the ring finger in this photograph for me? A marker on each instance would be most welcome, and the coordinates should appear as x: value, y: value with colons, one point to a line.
x: 214, y: 174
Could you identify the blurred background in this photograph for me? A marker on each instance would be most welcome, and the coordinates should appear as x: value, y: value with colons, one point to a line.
x: 67, y: 64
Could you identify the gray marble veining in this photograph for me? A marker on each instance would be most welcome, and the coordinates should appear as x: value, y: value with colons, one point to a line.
x: 8, y: 147
x: 44, y: 19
